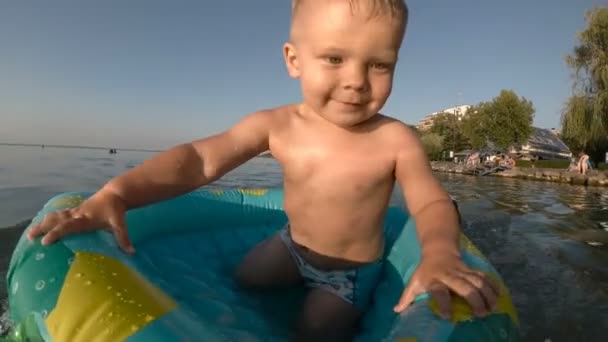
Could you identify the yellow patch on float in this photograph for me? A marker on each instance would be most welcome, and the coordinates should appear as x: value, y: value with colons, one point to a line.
x: 102, y: 299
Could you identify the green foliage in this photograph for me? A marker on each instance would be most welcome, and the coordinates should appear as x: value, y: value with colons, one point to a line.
x: 474, y: 128
x: 433, y: 144
x: 415, y: 130
x: 585, y: 116
x: 504, y: 121
x: 450, y: 128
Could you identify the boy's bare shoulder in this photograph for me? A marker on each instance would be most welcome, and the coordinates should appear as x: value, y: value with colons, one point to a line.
x: 273, y: 117
x: 401, y: 139
x: 396, y: 131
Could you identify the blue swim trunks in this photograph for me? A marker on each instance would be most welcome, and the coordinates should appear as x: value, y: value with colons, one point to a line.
x: 355, y: 285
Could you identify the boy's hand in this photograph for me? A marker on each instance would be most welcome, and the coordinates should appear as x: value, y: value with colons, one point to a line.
x: 440, y: 273
x: 104, y: 210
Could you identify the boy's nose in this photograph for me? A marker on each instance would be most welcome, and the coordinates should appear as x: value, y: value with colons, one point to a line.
x: 355, y: 78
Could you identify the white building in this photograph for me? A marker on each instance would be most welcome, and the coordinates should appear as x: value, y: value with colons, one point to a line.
x: 427, y: 121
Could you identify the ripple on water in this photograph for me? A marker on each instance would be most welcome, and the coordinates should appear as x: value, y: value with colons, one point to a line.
x: 544, y: 239
x: 559, y: 209
x: 4, y: 322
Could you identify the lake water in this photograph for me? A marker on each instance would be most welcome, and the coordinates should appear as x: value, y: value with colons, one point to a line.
x: 549, y: 241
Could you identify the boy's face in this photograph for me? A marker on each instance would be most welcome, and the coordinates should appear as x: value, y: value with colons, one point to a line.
x: 344, y: 58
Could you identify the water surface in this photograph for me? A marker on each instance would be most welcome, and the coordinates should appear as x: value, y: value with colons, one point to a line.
x: 549, y: 241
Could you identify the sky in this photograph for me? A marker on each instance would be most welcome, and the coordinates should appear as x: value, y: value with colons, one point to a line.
x: 152, y: 74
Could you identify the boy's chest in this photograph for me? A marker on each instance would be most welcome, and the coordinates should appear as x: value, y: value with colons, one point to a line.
x: 334, y: 161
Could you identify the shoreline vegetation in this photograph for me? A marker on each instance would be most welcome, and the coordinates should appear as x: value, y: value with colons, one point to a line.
x: 593, y: 178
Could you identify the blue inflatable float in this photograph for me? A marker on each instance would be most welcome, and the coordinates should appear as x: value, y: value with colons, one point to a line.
x: 179, y: 285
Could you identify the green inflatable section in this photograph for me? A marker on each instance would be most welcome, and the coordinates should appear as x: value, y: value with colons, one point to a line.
x: 179, y: 285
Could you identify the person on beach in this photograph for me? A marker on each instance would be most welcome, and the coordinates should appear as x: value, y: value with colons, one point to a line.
x: 584, y: 165
x: 340, y: 159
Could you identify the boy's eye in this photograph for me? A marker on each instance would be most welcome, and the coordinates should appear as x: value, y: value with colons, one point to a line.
x: 334, y: 59
x: 381, y: 66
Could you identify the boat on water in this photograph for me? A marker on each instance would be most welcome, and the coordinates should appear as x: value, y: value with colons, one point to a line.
x: 179, y: 284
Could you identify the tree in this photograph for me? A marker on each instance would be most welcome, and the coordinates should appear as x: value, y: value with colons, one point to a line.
x: 474, y: 129
x: 450, y: 128
x: 414, y: 129
x: 504, y: 121
x: 432, y: 143
x: 585, y: 116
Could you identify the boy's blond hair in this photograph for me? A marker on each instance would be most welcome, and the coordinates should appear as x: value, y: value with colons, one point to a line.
x: 392, y: 8
x: 396, y: 9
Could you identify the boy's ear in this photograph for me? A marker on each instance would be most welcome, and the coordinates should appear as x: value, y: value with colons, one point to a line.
x: 291, y: 60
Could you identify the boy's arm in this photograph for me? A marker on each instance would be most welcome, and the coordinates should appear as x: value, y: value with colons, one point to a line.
x: 427, y: 201
x: 168, y: 174
x: 441, y: 268
x: 187, y: 167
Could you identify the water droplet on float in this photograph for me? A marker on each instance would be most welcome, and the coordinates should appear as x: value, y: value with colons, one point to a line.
x: 110, y: 314
x: 39, y: 256
x: 149, y: 318
x: 503, y: 334
x: 40, y: 285
x: 114, y: 274
x: 134, y: 328
x: 118, y: 294
x: 78, y: 275
x: 88, y: 282
x: 225, y: 319
x: 109, y: 287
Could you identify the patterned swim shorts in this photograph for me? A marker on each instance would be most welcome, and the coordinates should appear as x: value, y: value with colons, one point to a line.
x: 355, y: 285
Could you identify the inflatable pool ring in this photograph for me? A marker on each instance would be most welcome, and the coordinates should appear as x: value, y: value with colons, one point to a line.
x: 179, y: 285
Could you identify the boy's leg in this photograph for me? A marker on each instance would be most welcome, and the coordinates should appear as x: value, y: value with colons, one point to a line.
x: 268, y: 264
x: 326, y: 317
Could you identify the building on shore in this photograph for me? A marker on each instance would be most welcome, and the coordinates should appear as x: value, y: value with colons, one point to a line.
x: 542, y: 144
x: 428, y: 121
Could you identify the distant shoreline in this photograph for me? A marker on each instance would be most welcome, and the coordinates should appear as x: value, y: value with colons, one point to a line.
x: 80, y: 147
x: 593, y: 178
x: 266, y: 154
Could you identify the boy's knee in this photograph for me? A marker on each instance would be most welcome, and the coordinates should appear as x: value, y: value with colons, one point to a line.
x: 318, y: 329
x: 315, y: 330
x: 244, y: 277
x: 321, y: 328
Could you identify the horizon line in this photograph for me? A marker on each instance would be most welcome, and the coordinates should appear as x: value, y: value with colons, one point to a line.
x: 263, y: 154
x: 80, y: 146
